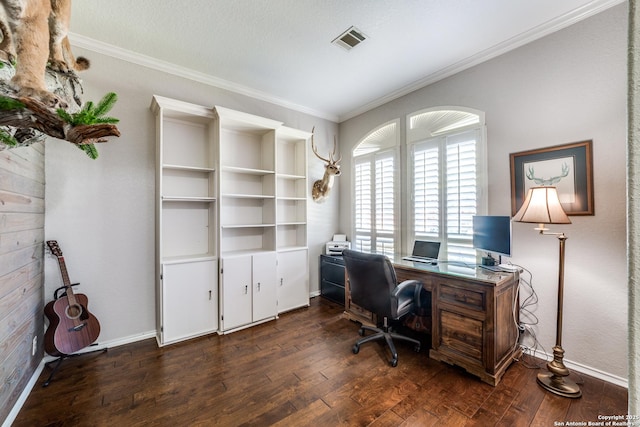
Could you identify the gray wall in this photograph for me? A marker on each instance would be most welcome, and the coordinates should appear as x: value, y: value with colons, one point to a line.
x: 569, y: 86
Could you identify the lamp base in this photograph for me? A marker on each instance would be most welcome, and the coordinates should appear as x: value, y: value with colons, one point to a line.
x: 556, y: 380
x: 559, y: 385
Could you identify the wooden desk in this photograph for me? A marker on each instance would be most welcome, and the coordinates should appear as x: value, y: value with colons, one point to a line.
x: 472, y: 315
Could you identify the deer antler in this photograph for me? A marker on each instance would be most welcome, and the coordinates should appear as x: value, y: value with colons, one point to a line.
x: 335, y: 144
x: 330, y: 160
x: 315, y: 151
x: 550, y: 181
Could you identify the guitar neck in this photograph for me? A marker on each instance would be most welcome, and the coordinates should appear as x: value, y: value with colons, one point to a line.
x: 63, y: 270
x: 65, y: 280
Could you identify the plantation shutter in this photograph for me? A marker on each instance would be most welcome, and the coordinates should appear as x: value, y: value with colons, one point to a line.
x: 362, y: 205
x: 462, y: 194
x: 445, y: 192
x: 385, y: 203
x: 374, y: 203
x: 426, y: 179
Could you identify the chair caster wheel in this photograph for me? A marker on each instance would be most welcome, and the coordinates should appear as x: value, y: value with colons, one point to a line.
x: 356, y: 349
x: 393, y: 362
x: 361, y: 332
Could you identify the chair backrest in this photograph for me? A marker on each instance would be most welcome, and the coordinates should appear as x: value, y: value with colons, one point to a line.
x: 372, y: 278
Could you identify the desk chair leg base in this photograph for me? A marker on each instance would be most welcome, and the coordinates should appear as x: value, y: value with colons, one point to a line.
x: 388, y: 336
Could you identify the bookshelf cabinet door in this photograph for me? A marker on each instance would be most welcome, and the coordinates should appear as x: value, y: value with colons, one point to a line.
x: 236, y: 292
x: 264, y: 286
x: 293, y: 280
x: 189, y: 300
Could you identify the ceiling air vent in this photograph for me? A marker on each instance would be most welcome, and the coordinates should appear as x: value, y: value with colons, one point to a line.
x: 350, y: 38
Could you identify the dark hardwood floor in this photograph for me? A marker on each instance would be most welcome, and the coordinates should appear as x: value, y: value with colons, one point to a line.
x: 297, y: 371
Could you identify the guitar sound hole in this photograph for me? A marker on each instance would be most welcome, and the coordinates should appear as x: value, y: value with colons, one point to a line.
x: 73, y: 311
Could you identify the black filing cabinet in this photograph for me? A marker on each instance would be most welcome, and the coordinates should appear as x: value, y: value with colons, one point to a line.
x: 332, y: 278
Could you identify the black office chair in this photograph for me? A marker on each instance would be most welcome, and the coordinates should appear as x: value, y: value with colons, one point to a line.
x: 374, y: 287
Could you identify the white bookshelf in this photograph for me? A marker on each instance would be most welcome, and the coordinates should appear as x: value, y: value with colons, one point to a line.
x: 291, y: 218
x: 263, y: 199
x: 231, y: 219
x: 186, y: 220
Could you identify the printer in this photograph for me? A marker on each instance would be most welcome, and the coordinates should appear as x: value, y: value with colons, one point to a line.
x: 337, y: 245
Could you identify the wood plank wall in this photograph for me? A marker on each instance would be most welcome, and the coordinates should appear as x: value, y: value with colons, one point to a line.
x: 22, y: 185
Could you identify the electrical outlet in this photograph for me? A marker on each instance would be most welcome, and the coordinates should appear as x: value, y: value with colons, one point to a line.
x: 34, y: 345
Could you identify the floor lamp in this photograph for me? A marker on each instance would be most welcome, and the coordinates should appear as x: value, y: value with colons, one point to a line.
x: 542, y: 206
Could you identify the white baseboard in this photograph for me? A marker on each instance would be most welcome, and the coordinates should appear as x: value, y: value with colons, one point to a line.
x: 596, y: 373
x: 584, y: 369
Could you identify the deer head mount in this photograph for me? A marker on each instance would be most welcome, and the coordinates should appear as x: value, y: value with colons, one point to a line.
x: 322, y: 187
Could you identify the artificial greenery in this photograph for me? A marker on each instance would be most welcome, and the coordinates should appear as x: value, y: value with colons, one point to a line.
x: 9, y: 104
x: 91, y: 115
x: 7, y: 139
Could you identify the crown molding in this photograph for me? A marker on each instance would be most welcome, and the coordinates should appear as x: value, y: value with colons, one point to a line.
x: 521, y: 39
x: 187, y: 73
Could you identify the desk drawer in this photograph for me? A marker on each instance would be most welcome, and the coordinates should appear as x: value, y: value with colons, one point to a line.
x: 332, y: 291
x: 461, y: 335
x: 332, y: 271
x: 468, y: 298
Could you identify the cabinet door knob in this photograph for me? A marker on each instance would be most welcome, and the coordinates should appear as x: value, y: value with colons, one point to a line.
x: 246, y: 289
x: 281, y: 279
x: 258, y: 286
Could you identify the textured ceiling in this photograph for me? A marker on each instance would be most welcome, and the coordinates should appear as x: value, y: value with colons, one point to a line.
x: 281, y: 50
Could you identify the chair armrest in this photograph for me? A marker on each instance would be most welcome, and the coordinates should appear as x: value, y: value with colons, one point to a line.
x: 409, y: 289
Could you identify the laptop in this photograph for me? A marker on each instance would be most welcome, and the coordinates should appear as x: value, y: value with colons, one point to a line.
x: 424, y: 251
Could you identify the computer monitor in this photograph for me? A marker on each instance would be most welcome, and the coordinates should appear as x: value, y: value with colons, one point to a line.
x: 492, y: 234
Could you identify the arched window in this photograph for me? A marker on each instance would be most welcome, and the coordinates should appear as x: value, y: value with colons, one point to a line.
x: 376, y: 184
x: 446, y: 149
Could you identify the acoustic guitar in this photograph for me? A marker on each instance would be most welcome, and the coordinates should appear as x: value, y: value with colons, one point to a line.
x: 71, y: 326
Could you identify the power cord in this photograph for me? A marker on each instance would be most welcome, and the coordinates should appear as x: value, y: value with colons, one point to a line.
x: 527, y: 320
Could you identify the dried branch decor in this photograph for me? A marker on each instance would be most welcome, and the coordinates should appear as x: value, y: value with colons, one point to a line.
x: 83, y: 128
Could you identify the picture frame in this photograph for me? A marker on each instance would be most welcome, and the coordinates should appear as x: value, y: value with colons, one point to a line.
x: 567, y: 167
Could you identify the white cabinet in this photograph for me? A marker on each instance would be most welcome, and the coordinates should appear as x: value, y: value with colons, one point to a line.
x: 236, y: 292
x: 186, y: 225
x: 264, y: 286
x: 263, y: 210
x: 291, y: 218
x: 189, y: 300
x: 248, y: 289
x: 293, y: 280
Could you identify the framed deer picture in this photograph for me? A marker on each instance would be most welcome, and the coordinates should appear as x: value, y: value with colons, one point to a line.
x: 567, y: 167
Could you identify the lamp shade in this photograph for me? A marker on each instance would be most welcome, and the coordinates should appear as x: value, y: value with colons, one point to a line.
x: 542, y: 206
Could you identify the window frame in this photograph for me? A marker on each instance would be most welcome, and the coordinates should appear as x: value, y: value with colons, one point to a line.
x: 400, y: 147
